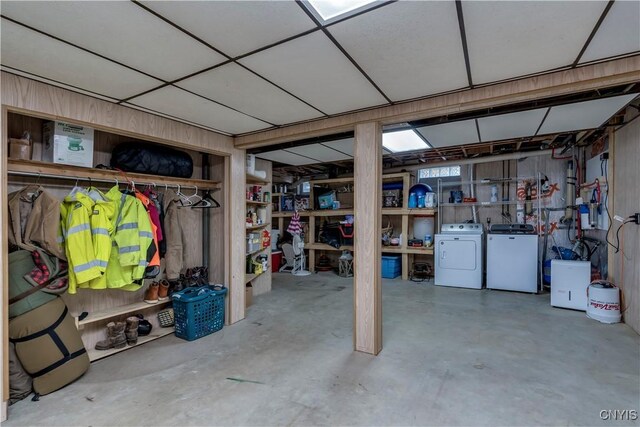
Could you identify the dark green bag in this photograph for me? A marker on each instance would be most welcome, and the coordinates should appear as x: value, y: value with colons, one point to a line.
x: 20, y: 264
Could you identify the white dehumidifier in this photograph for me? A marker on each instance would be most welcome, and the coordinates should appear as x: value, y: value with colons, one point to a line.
x: 569, y: 282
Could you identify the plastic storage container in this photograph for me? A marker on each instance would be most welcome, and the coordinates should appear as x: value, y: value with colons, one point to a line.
x: 391, y: 266
x: 198, y: 311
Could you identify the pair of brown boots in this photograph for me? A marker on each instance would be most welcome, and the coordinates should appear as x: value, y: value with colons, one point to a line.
x: 119, y: 334
x: 157, y: 291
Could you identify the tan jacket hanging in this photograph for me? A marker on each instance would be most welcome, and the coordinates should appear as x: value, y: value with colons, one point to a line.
x: 42, y: 224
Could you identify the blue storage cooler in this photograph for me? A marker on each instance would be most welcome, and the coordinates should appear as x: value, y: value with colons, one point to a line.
x: 391, y: 266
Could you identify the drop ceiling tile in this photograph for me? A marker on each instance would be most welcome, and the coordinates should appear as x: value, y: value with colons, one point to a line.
x: 343, y: 145
x: 287, y: 158
x: 508, y: 39
x: 320, y: 152
x: 236, y: 27
x: 119, y: 30
x: 312, y: 68
x: 178, y: 103
x: 618, y: 34
x: 512, y: 125
x: 450, y: 134
x: 236, y: 87
x: 34, y: 53
x: 410, y: 49
x: 583, y: 115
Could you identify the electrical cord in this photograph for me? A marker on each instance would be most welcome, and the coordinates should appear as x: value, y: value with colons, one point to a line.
x: 606, y: 202
x: 618, y: 234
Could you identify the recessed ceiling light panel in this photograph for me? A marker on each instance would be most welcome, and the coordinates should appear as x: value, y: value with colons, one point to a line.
x: 406, y: 140
x: 329, y: 9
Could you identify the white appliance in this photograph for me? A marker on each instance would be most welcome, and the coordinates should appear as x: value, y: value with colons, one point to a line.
x: 512, y: 261
x: 569, y: 283
x: 459, y: 256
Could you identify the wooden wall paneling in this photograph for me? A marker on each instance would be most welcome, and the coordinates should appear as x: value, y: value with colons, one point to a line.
x: 35, y: 98
x: 367, y: 228
x: 589, y: 77
x: 625, y: 151
x: 235, y: 213
x: 4, y: 265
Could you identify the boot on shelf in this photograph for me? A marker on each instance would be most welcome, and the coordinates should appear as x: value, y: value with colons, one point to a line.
x: 115, y: 337
x: 151, y: 295
x: 163, y: 290
x: 132, y: 330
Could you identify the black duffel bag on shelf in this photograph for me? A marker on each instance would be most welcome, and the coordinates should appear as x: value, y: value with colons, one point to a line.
x: 152, y: 159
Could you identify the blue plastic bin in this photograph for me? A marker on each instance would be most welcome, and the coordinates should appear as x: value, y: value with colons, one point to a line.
x: 391, y: 266
x: 198, y: 311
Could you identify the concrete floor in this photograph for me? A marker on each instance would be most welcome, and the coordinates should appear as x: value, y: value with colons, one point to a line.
x: 450, y: 357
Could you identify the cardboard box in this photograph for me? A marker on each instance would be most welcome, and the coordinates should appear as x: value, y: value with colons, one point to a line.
x: 248, y: 296
x: 67, y: 144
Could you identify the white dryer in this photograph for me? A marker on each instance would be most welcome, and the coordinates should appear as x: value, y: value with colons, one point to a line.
x: 459, y: 256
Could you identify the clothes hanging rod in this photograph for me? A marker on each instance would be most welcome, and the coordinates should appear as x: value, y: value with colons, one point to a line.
x: 105, y: 180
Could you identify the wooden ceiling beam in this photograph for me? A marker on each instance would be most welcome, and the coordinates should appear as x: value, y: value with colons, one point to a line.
x: 589, y: 77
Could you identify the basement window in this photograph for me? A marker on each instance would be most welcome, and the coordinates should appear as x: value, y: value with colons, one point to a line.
x: 439, y: 172
x: 404, y: 140
x: 329, y: 9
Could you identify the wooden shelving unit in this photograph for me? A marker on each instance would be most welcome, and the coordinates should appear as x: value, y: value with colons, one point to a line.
x: 403, y: 212
x: 260, y: 283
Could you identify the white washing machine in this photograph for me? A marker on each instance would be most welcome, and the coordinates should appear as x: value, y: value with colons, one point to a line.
x: 459, y: 256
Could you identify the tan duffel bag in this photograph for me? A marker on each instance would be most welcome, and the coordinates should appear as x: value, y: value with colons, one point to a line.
x: 49, y: 346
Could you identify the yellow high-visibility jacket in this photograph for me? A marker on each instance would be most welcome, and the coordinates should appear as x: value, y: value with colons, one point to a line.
x: 76, y: 211
x: 132, y: 238
x: 102, y: 232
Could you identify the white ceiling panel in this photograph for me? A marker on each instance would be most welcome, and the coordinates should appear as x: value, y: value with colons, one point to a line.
x: 32, y: 52
x: 410, y: 49
x: 583, y: 115
x: 343, y: 145
x: 176, y: 102
x: 451, y: 134
x: 618, y: 34
x: 236, y: 27
x: 319, y: 152
x: 312, y: 68
x: 507, y: 39
x: 118, y: 30
x: 512, y: 125
x: 236, y: 87
x: 286, y: 158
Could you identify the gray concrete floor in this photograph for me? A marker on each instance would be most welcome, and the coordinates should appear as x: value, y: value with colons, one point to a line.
x: 450, y: 357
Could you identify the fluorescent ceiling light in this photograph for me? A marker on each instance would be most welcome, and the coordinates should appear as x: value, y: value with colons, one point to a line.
x: 406, y: 140
x: 329, y: 9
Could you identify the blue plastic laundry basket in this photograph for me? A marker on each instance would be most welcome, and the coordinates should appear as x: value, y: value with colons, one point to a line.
x: 198, y: 311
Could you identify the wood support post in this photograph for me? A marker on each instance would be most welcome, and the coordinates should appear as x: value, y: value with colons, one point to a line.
x: 367, y: 301
x: 236, y: 253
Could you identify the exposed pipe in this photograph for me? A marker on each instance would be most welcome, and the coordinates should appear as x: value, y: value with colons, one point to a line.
x: 488, y: 159
x: 472, y: 191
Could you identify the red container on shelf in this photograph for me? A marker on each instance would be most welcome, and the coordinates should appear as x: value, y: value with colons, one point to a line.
x: 276, y: 260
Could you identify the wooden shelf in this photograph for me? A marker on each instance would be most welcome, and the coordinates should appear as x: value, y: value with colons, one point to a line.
x: 119, y: 311
x: 49, y: 170
x: 331, y: 212
x: 290, y: 214
x: 253, y: 202
x: 258, y: 251
x: 252, y: 179
x: 158, y: 333
x: 402, y: 211
x: 325, y: 247
x: 331, y: 181
x: 420, y: 251
x: 393, y: 249
x: 257, y: 227
x: 249, y: 277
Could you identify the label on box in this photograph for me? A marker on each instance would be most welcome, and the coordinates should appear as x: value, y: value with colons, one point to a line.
x: 68, y: 144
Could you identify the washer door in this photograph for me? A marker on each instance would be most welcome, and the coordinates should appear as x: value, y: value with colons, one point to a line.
x: 457, y: 253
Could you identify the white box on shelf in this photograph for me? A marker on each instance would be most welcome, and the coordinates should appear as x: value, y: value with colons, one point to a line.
x: 67, y: 144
